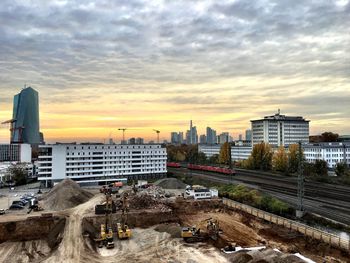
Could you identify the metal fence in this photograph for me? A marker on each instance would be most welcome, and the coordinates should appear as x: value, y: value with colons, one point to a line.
x: 331, y: 239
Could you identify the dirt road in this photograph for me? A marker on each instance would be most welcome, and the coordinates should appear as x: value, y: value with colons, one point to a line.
x: 72, y: 245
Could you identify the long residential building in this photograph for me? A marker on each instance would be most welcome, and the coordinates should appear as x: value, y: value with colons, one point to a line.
x: 237, y: 152
x: 91, y: 164
x: 331, y: 152
x: 280, y: 130
x: 16, y: 153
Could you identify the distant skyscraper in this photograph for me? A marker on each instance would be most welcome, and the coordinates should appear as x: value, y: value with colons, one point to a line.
x: 240, y: 137
x: 211, y: 136
x: 25, y: 118
x: 224, y: 137
x: 176, y: 137
x: 191, y: 134
x: 203, y: 139
x: 248, y: 135
x: 181, y: 137
x: 139, y: 140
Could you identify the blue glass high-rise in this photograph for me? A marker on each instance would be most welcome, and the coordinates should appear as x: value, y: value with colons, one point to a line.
x: 25, y: 127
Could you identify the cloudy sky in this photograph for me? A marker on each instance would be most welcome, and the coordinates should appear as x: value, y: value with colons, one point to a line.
x: 100, y: 65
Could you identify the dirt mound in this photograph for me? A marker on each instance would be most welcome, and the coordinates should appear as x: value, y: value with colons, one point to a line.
x: 170, y: 183
x: 64, y: 195
x: 142, y: 201
x: 172, y: 229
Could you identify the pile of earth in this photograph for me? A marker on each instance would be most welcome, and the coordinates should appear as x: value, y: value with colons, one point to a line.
x: 64, y: 195
x: 142, y: 201
x: 173, y: 229
x: 170, y: 183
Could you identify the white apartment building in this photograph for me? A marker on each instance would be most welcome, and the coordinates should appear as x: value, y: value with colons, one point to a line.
x: 237, y: 152
x: 100, y: 163
x: 280, y: 130
x: 209, y: 149
x: 16, y: 153
x: 331, y: 152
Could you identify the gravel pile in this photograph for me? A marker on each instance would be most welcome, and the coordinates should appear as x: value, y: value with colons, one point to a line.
x: 64, y: 195
x: 170, y: 183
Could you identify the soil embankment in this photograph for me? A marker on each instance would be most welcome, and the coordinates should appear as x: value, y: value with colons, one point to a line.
x: 65, y: 195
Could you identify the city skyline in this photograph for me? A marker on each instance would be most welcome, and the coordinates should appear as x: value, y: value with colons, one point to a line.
x: 219, y: 64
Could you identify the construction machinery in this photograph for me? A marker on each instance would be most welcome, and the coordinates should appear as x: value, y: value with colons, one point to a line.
x: 34, y: 206
x: 106, y: 230
x: 206, y: 229
x: 123, y: 229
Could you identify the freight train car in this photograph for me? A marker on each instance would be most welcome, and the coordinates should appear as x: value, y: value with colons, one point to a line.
x: 173, y: 165
x: 213, y: 169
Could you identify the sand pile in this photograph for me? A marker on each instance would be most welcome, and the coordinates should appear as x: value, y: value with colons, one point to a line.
x: 173, y: 229
x: 170, y: 183
x: 66, y: 194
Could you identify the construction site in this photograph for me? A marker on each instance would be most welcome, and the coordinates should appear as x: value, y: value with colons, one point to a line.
x: 148, y: 223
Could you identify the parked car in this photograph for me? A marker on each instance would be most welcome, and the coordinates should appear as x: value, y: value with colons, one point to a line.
x: 2, y: 211
x: 16, y: 207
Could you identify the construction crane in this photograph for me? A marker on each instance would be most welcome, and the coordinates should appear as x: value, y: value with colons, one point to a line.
x: 123, y: 230
x: 123, y: 129
x: 13, y: 128
x: 157, y: 134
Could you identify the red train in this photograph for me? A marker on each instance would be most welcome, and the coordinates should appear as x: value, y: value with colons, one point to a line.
x: 204, y: 168
x: 174, y: 165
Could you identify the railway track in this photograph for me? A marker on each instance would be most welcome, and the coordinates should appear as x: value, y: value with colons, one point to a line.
x: 331, y: 201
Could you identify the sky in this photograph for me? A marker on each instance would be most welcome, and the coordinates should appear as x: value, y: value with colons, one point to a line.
x: 148, y: 64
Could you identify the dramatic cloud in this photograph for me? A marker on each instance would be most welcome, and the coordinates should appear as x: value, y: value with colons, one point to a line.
x: 100, y: 65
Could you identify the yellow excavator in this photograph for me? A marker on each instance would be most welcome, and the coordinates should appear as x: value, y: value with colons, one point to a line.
x: 123, y: 229
x: 106, y: 231
x: 206, y: 229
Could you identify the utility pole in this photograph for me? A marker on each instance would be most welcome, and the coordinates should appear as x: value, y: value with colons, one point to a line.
x: 230, y: 159
x: 300, y: 211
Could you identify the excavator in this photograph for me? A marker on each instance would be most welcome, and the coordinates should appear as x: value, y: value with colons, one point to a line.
x: 106, y: 231
x: 123, y: 230
x: 196, y: 234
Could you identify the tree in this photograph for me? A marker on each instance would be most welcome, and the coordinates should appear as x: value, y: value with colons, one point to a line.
x: 192, y: 154
x: 293, y: 158
x: 280, y: 160
x: 329, y: 137
x: 224, y: 157
x: 261, y: 157
x: 309, y: 169
x: 321, y: 167
x: 180, y: 156
x: 202, y: 158
x: 214, y: 159
x: 341, y: 169
x: 17, y: 173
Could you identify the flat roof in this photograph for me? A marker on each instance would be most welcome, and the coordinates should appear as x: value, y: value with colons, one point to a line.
x: 278, y: 117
